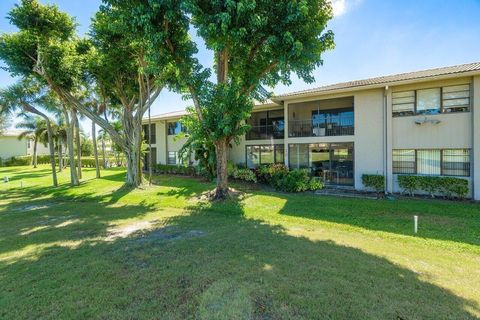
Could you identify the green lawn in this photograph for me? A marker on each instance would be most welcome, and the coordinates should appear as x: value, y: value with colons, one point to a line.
x: 99, y: 251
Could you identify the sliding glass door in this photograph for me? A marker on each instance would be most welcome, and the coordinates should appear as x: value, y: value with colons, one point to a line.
x: 333, y: 162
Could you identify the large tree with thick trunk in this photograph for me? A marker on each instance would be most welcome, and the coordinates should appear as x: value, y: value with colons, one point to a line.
x: 254, y: 43
x: 46, y: 47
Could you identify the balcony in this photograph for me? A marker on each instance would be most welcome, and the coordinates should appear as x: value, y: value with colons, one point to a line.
x: 337, y: 126
x: 265, y: 132
x: 322, y: 118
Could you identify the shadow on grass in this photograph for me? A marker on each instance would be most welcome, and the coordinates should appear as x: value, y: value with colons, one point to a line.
x: 212, y: 263
x: 440, y: 220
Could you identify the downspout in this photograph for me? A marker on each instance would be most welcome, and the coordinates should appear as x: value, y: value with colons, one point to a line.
x: 385, y: 139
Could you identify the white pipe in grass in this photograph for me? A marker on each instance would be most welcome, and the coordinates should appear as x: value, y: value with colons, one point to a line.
x: 415, y: 224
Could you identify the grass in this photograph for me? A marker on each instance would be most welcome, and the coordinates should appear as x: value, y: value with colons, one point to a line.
x: 100, y: 251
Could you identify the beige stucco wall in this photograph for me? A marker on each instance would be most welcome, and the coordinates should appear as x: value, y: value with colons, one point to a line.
x: 12, y: 147
x: 456, y: 130
x: 476, y: 137
x: 369, y: 134
x: 453, y: 131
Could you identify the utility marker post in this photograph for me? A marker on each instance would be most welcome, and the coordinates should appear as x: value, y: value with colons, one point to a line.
x: 415, y: 224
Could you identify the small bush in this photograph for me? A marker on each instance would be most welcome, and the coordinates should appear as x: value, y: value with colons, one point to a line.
x: 408, y: 183
x: 245, y: 175
x: 294, y: 181
x: 430, y: 185
x: 174, y: 169
x: 454, y: 187
x: 374, y: 181
x: 316, y: 184
x: 18, y: 161
x: 269, y: 174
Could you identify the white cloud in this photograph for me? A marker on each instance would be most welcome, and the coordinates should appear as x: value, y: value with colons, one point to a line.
x: 340, y: 7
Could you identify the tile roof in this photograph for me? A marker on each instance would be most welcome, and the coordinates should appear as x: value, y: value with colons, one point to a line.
x: 358, y: 84
x: 385, y: 80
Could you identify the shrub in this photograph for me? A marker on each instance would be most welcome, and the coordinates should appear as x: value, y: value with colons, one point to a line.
x: 454, y: 187
x: 374, y: 181
x: 294, y: 181
x: 18, y: 161
x: 174, y: 169
x: 316, y: 184
x: 272, y: 174
x: 231, y: 167
x: 449, y: 187
x: 431, y: 185
x: 245, y: 175
x: 408, y: 183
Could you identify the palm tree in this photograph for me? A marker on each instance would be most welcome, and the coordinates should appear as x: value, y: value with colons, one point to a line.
x: 60, y: 138
x: 35, y: 128
x: 29, y: 96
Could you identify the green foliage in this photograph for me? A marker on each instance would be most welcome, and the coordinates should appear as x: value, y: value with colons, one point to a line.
x: 454, y: 187
x: 271, y: 173
x: 174, y: 169
x: 316, y: 184
x: 408, y: 183
x: 245, y: 175
x: 429, y: 184
x: 17, y: 161
x: 86, y: 147
x: 374, y: 181
x: 449, y: 187
x: 294, y: 181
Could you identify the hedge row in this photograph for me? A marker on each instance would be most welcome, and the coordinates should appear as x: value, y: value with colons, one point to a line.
x: 45, y: 159
x: 175, y: 169
x: 279, y: 177
x: 446, y: 186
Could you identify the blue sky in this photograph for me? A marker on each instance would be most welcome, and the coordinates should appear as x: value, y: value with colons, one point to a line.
x: 373, y: 37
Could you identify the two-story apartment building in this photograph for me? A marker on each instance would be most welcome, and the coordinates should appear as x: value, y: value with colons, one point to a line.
x: 424, y: 122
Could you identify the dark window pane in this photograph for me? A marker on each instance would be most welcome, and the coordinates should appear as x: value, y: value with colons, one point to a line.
x: 403, y: 161
x: 456, y: 162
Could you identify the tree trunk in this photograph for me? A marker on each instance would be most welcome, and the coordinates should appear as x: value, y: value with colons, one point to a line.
x: 60, y: 156
x: 134, y: 176
x: 221, y: 148
x: 51, y: 149
x: 221, y: 145
x: 103, y: 152
x: 71, y: 151
x: 34, y: 157
x: 76, y: 124
x: 95, y: 151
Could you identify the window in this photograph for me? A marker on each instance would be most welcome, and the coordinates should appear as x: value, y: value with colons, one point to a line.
x: 264, y: 155
x: 428, y: 162
x: 298, y: 155
x: 403, y: 161
x: 456, y: 162
x: 265, y: 125
x: 431, y: 101
x: 403, y: 103
x: 153, y: 136
x: 446, y: 162
x: 172, y: 157
x: 253, y: 156
x: 267, y: 155
x: 428, y: 101
x: 279, y: 153
x: 29, y: 143
x: 456, y: 98
x: 175, y: 128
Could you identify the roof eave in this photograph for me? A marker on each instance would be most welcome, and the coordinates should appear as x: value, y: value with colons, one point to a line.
x: 288, y: 97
